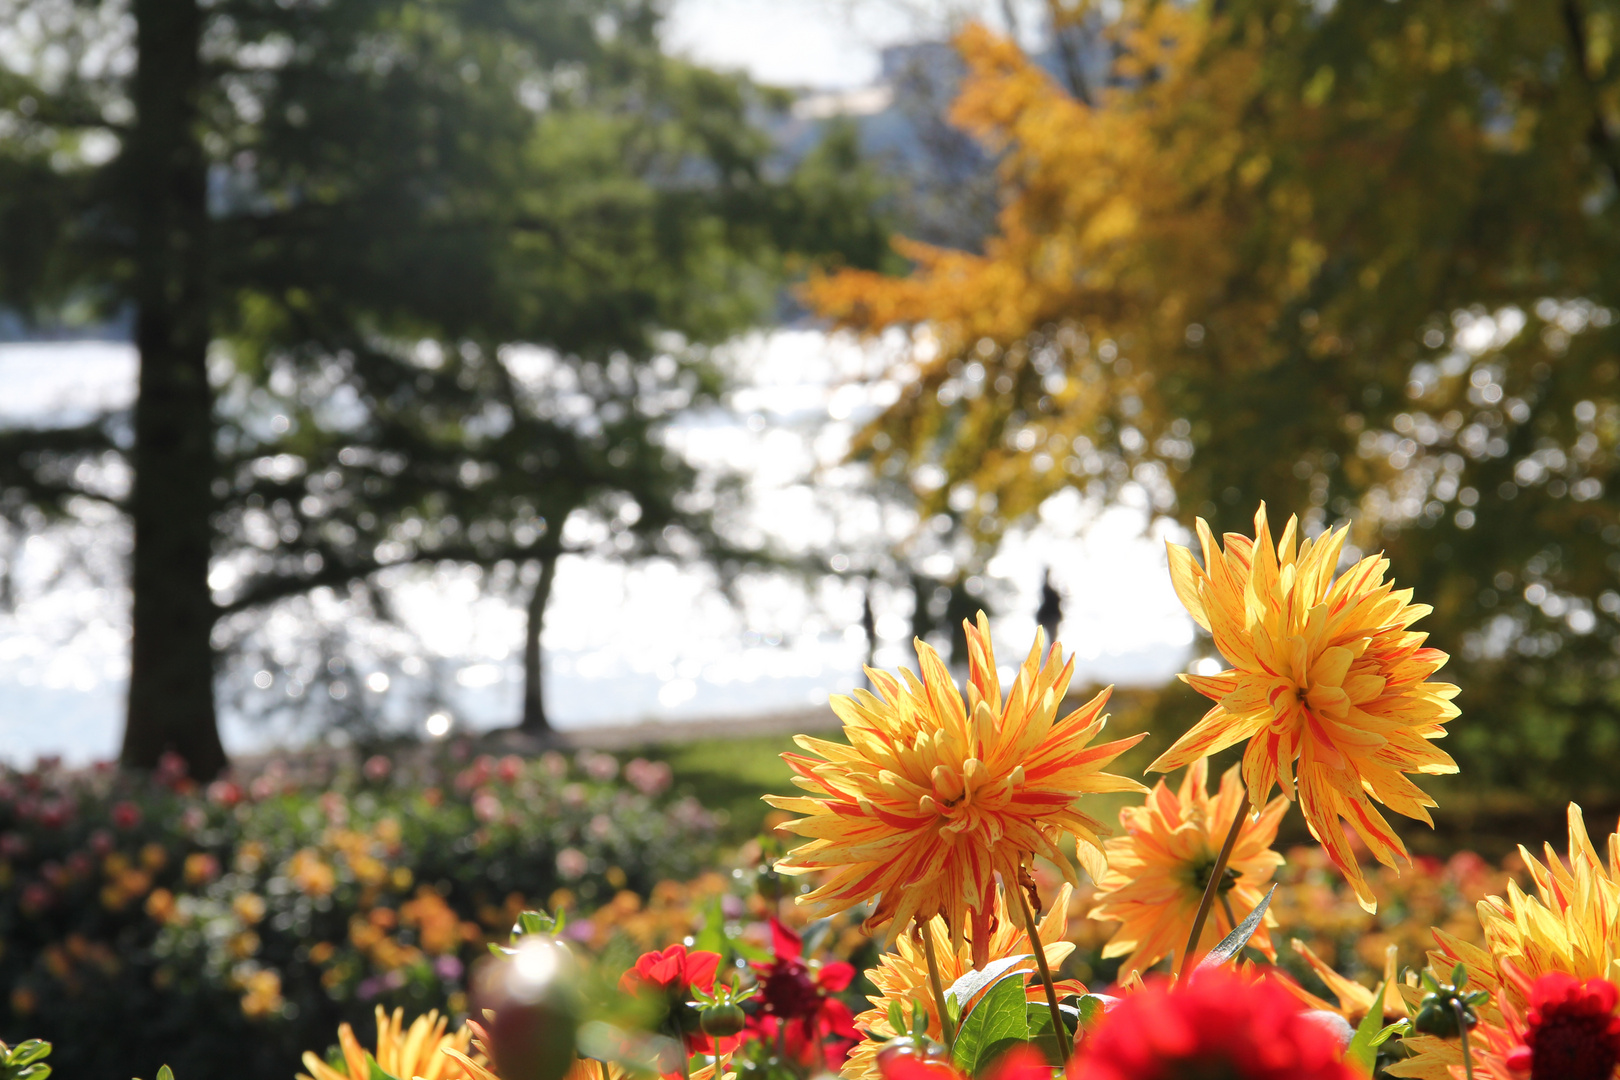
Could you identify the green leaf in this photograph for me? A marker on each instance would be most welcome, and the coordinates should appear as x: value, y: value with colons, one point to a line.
x: 897, y: 1019
x: 534, y: 922
x: 974, y: 983
x: 1400, y: 1027
x: 997, y: 1020
x: 1091, y: 1008
x: 1233, y: 943
x: 165, y: 1073
x: 376, y: 1071
x: 1362, y: 1053
x: 1042, y: 1036
x: 26, y: 1053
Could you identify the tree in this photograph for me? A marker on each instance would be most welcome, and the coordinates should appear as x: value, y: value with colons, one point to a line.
x: 1357, y: 260
x: 331, y: 222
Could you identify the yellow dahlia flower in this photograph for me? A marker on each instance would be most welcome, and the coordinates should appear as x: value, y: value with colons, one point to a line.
x: 902, y: 975
x: 1158, y: 868
x: 932, y: 798
x: 1571, y: 924
x: 423, y: 1050
x: 1324, y: 671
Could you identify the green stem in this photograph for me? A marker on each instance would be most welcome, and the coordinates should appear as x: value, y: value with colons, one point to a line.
x: 1062, y: 1029
x: 1462, y: 1029
x: 1211, y: 889
x: 946, y: 1027
x: 1226, y: 906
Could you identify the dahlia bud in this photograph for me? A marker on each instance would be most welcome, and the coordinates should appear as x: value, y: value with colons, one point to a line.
x: 528, y: 997
x: 1446, y: 1003
x: 721, y: 1020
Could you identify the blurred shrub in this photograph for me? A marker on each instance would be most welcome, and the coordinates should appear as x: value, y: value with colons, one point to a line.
x: 150, y: 921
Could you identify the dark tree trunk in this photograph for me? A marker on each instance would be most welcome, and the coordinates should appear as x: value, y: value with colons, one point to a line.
x: 171, y: 679
x: 534, y: 701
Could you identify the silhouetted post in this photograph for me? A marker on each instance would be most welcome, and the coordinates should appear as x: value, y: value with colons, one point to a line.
x: 1049, y: 616
x: 869, y: 625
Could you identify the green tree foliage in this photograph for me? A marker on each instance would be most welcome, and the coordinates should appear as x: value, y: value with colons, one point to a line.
x: 334, y: 223
x: 1357, y: 260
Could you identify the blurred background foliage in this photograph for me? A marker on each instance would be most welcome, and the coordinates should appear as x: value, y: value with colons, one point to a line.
x: 413, y: 282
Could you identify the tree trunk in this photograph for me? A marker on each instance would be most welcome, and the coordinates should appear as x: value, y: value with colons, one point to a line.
x: 171, y: 679
x: 534, y: 702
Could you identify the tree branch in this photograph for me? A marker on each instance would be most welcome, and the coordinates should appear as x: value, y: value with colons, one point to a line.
x: 1072, y: 70
x: 1603, y: 143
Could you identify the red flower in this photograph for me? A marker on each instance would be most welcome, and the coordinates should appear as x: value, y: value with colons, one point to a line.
x: 1570, y: 1030
x: 796, y: 1000
x: 673, y: 969
x: 1218, y: 1024
x: 673, y: 973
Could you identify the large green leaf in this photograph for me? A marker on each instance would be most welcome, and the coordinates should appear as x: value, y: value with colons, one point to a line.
x: 992, y: 1027
x: 1042, y: 1036
x: 1092, y: 1008
x: 971, y: 985
x: 1362, y: 1053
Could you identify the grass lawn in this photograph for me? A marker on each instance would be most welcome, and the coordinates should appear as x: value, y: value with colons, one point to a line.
x: 731, y: 774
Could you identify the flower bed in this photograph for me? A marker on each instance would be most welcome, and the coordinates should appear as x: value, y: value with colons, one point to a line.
x: 194, y: 923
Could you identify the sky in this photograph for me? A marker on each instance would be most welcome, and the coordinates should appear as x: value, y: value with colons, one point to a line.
x: 818, y: 44
x: 649, y: 641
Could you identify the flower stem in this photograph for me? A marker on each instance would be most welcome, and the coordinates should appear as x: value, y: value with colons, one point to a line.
x: 946, y: 1027
x: 1059, y: 1027
x: 1462, y: 1029
x: 1211, y: 887
x: 1226, y: 906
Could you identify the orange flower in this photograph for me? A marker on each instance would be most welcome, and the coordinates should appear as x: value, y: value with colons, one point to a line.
x: 931, y: 800
x: 1324, y: 671
x: 1157, y: 870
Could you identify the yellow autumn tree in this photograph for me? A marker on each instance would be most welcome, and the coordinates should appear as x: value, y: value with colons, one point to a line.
x: 1359, y: 260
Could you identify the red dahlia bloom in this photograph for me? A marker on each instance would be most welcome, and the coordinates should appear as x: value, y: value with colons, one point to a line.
x: 674, y: 973
x: 797, y: 1000
x: 673, y: 969
x: 1570, y: 1030
x: 1216, y: 1025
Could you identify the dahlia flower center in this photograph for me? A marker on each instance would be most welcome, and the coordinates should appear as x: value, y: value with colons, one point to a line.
x: 790, y: 992
x: 1197, y: 876
x: 1573, y: 1046
x: 966, y: 797
x: 1204, y: 1070
x: 1315, y: 684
